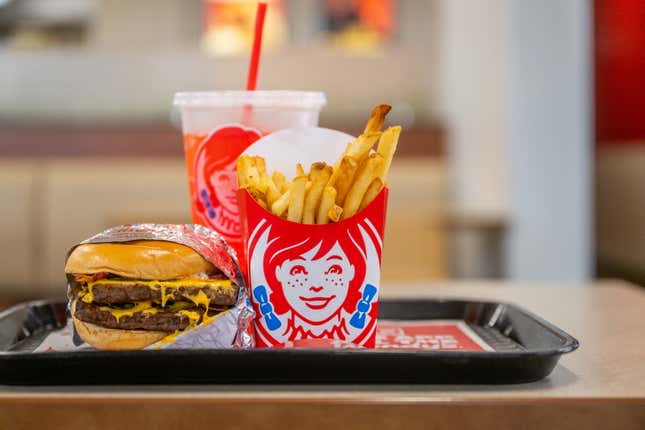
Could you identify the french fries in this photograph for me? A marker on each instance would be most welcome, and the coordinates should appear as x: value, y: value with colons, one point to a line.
x: 387, y: 148
x: 326, y: 205
x: 280, y: 206
x: 364, y: 177
x: 377, y: 118
x: 372, y: 191
x: 319, y: 174
x: 327, y: 193
x: 343, y: 181
x: 279, y: 180
x: 297, y: 199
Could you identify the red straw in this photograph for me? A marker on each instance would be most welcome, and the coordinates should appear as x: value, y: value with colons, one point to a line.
x: 257, y: 47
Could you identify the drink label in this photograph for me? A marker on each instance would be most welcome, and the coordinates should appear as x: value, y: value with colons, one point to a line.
x: 211, y: 163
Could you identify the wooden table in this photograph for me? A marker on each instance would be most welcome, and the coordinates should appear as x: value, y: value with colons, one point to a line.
x: 602, y: 385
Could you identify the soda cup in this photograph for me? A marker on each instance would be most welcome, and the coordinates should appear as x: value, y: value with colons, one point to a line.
x: 217, y: 127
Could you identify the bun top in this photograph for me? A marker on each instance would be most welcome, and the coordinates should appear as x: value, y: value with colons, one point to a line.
x: 141, y: 259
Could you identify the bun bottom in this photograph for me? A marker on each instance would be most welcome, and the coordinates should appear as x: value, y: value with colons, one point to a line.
x: 110, y: 339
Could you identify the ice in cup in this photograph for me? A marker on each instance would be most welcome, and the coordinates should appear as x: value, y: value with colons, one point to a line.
x: 217, y: 127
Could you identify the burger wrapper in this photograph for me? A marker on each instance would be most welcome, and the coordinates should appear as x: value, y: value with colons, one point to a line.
x: 311, y: 283
x: 229, y: 329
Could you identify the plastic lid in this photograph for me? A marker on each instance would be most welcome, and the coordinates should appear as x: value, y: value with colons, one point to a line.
x: 291, y: 99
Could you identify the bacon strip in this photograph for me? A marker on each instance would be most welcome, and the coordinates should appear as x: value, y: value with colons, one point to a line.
x: 83, y: 279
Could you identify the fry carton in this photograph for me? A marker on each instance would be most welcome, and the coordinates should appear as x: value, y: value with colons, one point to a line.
x: 311, y: 283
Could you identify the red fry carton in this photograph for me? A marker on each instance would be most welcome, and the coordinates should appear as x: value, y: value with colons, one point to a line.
x: 311, y: 282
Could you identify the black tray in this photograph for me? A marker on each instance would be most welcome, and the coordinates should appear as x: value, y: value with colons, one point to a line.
x: 526, y: 348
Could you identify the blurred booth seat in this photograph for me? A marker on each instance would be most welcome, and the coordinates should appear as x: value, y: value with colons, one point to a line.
x: 620, y: 210
x: 52, y: 203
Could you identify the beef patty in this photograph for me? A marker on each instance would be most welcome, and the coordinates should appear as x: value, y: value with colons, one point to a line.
x: 159, y: 321
x: 131, y: 291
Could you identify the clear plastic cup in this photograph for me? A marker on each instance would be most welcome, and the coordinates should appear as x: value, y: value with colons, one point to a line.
x: 217, y: 127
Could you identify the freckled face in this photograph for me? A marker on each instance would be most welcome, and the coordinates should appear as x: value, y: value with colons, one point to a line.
x: 316, y: 289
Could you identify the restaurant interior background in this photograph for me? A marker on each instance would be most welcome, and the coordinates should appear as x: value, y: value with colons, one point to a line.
x: 522, y: 155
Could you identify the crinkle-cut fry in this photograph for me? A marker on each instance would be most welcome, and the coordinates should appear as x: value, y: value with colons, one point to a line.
x: 387, y: 147
x: 297, y: 199
x: 320, y: 172
x: 334, y: 213
x: 299, y: 170
x: 362, y: 180
x: 377, y: 118
x: 247, y: 173
x: 372, y: 191
x: 280, y: 206
x: 279, y: 180
x: 360, y: 148
x: 326, y: 204
x: 343, y: 181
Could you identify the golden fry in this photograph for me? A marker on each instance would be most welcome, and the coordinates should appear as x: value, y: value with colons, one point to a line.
x: 326, y: 204
x: 279, y: 207
x: 343, y: 182
x: 334, y: 173
x: 278, y: 179
x: 272, y: 193
x: 334, y: 213
x: 315, y: 169
x: 266, y: 184
x: 377, y: 118
x: 372, y: 191
x: 297, y: 199
x: 327, y: 194
x: 362, y: 180
x: 257, y: 194
x: 247, y: 173
x: 387, y: 147
x: 360, y: 148
x: 320, y: 173
x: 260, y: 164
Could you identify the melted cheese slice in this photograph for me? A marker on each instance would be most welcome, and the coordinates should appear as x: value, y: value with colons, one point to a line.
x: 119, y: 313
x: 167, y: 288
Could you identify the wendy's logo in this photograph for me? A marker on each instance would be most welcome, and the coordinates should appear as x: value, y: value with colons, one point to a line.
x: 216, y: 180
x: 312, y: 283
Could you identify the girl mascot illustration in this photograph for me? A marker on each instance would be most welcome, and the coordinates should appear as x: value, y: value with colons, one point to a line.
x: 216, y: 180
x: 317, y: 287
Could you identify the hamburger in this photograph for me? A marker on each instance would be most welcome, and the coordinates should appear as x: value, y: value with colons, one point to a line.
x: 130, y: 295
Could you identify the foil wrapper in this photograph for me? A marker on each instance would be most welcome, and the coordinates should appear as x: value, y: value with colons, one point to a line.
x: 230, y: 328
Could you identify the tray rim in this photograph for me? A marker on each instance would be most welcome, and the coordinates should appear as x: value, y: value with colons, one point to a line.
x: 570, y: 343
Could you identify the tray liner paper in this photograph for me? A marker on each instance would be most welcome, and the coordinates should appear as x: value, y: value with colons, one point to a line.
x: 229, y: 329
x: 436, y: 335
